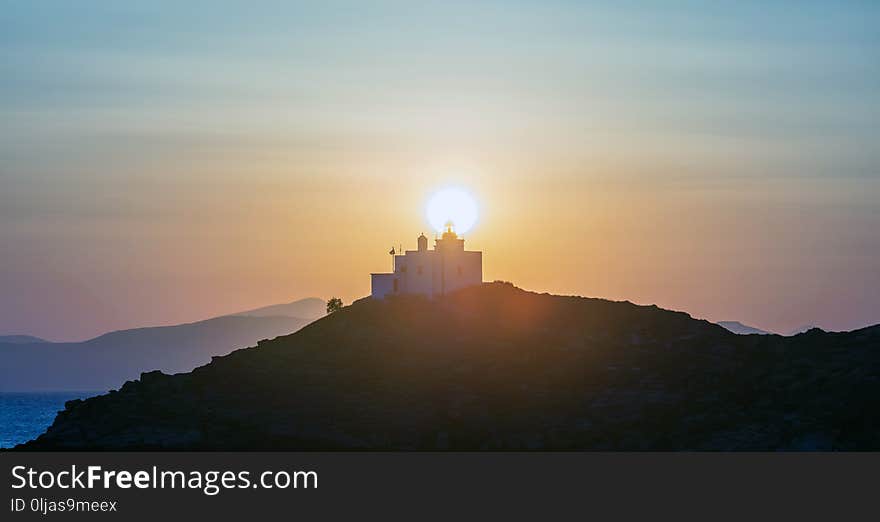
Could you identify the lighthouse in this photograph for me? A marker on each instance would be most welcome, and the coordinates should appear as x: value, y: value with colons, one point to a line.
x: 431, y: 273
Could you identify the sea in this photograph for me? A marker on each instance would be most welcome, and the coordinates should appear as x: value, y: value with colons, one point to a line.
x: 25, y: 415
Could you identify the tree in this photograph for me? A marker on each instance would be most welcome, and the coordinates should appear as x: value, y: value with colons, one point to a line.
x: 334, y: 305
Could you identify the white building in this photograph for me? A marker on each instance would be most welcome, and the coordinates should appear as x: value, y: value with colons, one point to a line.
x: 431, y: 272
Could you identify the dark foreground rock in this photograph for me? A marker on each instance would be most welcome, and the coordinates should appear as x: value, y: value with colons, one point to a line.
x: 495, y: 367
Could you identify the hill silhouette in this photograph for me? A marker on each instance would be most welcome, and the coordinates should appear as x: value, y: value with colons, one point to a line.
x: 496, y: 368
x: 742, y: 329
x: 802, y: 329
x: 309, y: 308
x: 21, y: 339
x: 109, y: 360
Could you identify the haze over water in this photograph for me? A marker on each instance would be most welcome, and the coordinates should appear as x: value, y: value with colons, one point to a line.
x: 165, y: 163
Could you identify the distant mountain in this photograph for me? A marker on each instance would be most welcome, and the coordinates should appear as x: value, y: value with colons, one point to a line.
x: 107, y: 361
x: 497, y: 368
x: 802, y: 329
x: 20, y: 339
x: 309, y: 308
x: 742, y: 329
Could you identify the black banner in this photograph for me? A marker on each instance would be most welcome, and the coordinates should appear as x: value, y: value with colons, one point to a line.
x: 454, y: 486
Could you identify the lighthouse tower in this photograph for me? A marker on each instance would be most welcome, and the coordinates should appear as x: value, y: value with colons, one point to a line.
x: 431, y: 273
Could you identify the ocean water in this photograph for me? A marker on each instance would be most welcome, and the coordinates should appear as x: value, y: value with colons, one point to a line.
x: 24, y: 416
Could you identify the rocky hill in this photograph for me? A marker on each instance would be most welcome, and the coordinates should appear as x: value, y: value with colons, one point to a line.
x: 498, y: 368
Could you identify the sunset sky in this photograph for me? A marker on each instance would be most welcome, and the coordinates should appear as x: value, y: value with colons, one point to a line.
x: 162, y: 163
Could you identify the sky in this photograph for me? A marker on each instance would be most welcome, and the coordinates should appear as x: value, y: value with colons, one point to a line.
x: 163, y: 163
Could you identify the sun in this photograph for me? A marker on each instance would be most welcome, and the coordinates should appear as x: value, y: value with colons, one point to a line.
x: 452, y: 206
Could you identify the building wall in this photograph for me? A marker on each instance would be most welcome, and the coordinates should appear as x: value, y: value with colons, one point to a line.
x: 431, y: 272
x: 457, y: 269
x: 415, y: 270
x: 382, y: 285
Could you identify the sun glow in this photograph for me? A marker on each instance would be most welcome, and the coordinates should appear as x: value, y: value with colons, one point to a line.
x: 453, y: 206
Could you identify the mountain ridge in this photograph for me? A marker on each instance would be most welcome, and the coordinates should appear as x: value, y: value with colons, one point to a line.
x: 742, y: 329
x: 108, y: 360
x: 21, y: 339
x: 308, y: 308
x: 498, y: 368
x: 311, y: 308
